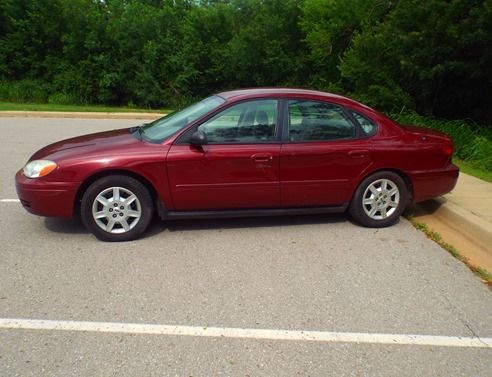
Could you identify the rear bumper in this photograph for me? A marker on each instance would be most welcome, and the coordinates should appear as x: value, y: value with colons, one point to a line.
x: 429, y: 184
x: 50, y: 199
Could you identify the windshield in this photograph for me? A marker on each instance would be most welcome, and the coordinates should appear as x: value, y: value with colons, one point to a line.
x: 162, y: 128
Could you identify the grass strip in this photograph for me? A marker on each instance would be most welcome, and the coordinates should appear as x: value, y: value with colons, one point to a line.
x: 471, y: 169
x: 14, y: 106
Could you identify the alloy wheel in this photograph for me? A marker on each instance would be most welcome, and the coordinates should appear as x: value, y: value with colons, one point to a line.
x: 116, y: 210
x: 381, y: 199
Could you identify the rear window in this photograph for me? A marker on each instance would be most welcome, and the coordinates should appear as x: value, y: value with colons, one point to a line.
x: 318, y: 121
x: 368, y: 126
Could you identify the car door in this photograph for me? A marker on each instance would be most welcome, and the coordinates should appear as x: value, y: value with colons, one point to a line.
x: 323, y: 153
x: 238, y: 168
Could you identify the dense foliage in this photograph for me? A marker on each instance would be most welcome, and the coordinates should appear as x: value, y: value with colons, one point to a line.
x: 432, y: 56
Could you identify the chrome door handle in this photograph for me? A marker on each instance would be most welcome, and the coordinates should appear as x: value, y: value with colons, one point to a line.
x: 262, y: 157
x: 359, y: 153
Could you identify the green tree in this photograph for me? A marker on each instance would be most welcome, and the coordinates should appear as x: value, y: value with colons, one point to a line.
x: 434, y: 55
x: 31, y: 37
x: 329, y: 26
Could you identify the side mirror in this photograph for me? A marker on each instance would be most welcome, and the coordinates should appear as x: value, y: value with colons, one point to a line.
x: 198, y: 138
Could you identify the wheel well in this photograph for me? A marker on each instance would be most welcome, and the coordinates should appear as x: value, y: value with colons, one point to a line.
x: 405, y: 178
x: 91, y: 179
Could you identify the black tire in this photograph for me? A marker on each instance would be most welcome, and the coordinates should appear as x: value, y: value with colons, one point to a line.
x: 135, y: 212
x: 358, y: 210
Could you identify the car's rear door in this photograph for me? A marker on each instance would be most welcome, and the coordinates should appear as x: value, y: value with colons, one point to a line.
x: 323, y: 153
x: 239, y: 166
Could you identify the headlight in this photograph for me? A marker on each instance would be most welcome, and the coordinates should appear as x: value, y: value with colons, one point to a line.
x: 39, y: 168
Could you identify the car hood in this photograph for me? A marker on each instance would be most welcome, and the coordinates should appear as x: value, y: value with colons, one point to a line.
x: 87, y: 144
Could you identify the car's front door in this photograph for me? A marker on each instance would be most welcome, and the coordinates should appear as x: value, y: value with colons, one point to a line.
x: 238, y: 168
x: 323, y: 153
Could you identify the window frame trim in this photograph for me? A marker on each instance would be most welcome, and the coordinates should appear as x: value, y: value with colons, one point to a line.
x: 359, y: 132
x: 183, y: 139
x: 363, y: 134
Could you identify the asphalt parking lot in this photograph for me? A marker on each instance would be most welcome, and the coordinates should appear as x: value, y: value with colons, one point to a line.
x: 285, y: 296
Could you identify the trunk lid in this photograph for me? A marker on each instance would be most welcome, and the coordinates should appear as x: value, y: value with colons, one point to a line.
x: 424, y: 132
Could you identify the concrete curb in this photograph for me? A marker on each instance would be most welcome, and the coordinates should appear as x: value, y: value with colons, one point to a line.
x: 462, y: 221
x: 84, y: 115
x: 467, y: 223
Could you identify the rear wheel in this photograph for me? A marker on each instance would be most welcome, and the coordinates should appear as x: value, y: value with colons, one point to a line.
x: 379, y: 200
x: 116, y: 208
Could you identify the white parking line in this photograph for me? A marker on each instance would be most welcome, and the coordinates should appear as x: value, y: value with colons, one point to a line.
x: 9, y: 200
x: 239, y: 333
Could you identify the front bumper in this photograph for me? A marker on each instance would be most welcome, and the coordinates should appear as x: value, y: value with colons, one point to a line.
x: 430, y: 184
x: 43, y: 198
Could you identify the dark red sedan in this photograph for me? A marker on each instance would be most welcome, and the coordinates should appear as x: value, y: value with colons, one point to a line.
x: 241, y: 153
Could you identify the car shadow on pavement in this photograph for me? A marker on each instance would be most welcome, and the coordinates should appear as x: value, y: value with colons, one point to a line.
x: 157, y: 226
x: 427, y: 207
x: 62, y: 225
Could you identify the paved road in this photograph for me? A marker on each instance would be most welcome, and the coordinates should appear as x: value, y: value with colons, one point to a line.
x: 310, y: 273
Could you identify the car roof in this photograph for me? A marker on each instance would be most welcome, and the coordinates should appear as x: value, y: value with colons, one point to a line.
x: 280, y: 92
x: 251, y: 93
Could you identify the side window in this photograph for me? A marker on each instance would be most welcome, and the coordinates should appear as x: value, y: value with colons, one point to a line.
x: 368, y: 126
x: 318, y: 121
x: 247, y: 122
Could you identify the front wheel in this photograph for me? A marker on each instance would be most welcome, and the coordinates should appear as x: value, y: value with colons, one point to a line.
x: 116, y: 208
x: 379, y: 200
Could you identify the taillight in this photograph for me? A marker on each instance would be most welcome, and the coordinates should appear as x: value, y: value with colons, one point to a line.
x: 448, y: 148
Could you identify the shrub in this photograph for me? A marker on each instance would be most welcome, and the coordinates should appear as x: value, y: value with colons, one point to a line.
x: 23, y: 91
x: 62, y: 99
